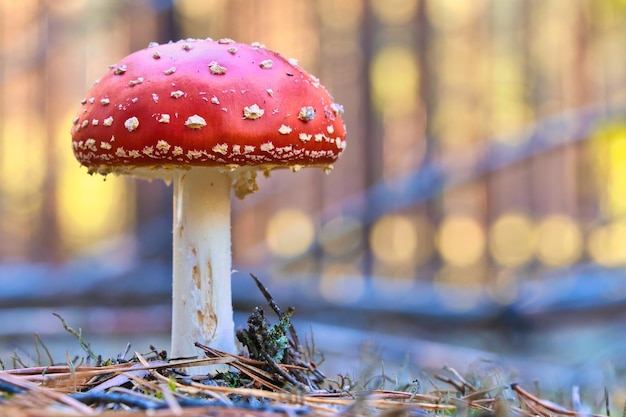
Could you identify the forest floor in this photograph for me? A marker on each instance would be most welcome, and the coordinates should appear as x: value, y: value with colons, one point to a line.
x: 279, y: 373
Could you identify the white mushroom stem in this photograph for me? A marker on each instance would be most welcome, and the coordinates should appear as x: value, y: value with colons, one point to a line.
x: 202, y: 306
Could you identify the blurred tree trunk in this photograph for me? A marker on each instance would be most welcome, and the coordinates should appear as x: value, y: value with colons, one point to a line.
x: 373, y: 149
x: 45, y: 245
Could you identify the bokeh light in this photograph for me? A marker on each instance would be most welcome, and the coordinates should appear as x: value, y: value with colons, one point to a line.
x: 90, y: 208
x: 465, y: 129
x: 512, y: 239
x: 607, y: 244
x: 559, y: 241
x: 94, y: 203
x: 461, y: 240
x: 394, y: 239
x: 22, y: 166
x: 395, y: 80
x: 289, y: 233
x: 509, y: 110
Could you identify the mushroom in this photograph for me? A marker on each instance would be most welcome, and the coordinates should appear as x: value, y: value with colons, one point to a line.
x: 205, y: 115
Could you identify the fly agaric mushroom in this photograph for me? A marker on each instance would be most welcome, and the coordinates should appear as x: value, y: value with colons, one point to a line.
x: 205, y: 115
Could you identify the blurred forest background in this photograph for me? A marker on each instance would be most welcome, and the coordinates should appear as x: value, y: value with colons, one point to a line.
x: 481, y: 202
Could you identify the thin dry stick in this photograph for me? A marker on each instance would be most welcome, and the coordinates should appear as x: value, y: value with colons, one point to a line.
x: 47, y: 370
x: 50, y: 394
x: 459, y: 377
x: 216, y: 353
x: 405, y: 395
x: 58, y: 374
x: 281, y: 397
x: 379, y: 403
x: 39, y: 342
x: 258, y: 375
x: 164, y: 384
x: 534, y: 408
x: 548, y: 406
x: 249, y: 367
x: 478, y: 395
x: 272, y: 363
x: 275, y: 307
x: 195, y: 388
x: 459, y: 387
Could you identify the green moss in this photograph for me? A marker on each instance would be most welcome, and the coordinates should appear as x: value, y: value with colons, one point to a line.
x: 263, y: 339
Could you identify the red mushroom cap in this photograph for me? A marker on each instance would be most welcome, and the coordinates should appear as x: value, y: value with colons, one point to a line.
x: 206, y: 103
